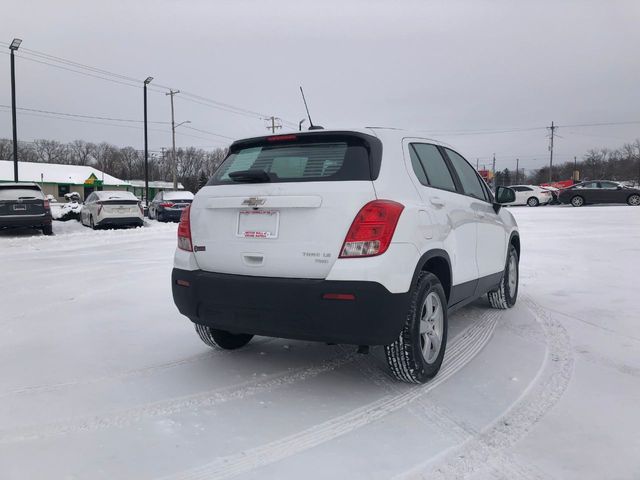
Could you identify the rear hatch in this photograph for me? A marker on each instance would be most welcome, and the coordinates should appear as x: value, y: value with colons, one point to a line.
x: 281, y: 206
x: 17, y: 200
x: 120, y: 208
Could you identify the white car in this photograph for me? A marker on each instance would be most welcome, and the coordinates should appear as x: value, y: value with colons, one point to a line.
x: 111, y: 208
x: 328, y: 236
x: 531, y: 195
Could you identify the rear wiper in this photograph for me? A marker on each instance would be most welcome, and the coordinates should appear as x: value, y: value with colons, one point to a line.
x: 250, y: 176
x: 25, y: 198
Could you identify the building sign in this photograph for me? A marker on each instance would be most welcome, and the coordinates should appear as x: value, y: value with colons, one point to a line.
x: 93, y: 181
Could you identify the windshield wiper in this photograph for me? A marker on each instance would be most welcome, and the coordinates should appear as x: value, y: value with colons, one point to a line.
x: 250, y: 176
x: 25, y: 198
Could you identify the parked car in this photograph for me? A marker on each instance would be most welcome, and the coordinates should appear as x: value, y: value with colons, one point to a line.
x: 23, y: 205
x: 531, y: 195
x: 554, y: 194
x: 599, y: 191
x: 326, y: 236
x: 167, y: 206
x: 111, y: 208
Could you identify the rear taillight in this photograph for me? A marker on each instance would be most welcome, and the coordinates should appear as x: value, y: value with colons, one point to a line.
x: 166, y: 204
x: 184, y: 231
x: 46, y: 205
x: 141, y: 209
x: 372, y: 229
x: 100, y: 208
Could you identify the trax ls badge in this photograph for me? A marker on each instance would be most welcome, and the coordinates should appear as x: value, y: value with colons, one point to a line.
x: 254, y: 201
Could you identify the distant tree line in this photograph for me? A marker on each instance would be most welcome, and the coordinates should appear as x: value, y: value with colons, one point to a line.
x: 194, y: 165
x: 611, y: 164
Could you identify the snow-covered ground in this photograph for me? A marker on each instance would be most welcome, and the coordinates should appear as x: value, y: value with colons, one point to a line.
x: 100, y: 377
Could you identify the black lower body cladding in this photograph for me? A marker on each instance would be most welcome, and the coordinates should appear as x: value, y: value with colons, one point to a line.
x: 290, y: 307
x: 120, y: 222
x: 25, y: 221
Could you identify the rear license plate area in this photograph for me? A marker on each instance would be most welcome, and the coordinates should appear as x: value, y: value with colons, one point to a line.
x: 258, y: 223
x: 19, y: 207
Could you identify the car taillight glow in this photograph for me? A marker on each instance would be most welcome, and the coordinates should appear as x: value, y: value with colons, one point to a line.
x: 281, y: 138
x: 184, y: 231
x: 372, y: 229
x: 166, y: 204
x: 46, y: 205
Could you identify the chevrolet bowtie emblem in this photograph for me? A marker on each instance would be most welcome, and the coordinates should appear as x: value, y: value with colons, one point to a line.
x: 254, y: 201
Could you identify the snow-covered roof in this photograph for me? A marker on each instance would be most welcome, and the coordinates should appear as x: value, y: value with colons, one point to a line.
x: 155, y: 184
x: 55, y: 173
x: 181, y: 195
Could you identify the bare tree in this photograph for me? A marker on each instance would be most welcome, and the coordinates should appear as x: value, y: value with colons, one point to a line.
x: 81, y: 152
x: 50, y: 151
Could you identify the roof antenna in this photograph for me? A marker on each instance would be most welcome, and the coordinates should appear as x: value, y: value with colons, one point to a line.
x: 312, y: 126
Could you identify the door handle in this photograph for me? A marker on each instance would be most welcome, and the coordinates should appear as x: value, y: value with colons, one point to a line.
x: 437, y: 201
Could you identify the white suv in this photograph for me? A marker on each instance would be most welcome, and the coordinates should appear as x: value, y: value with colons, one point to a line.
x: 363, y: 237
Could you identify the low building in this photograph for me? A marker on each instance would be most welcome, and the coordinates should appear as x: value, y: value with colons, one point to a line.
x: 57, y: 180
x: 155, y: 186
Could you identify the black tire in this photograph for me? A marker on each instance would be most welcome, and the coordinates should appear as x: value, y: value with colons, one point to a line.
x: 47, y: 230
x: 577, y: 201
x: 159, y: 217
x: 533, y: 202
x: 506, y: 296
x: 405, y: 355
x: 221, y: 338
x: 634, y: 200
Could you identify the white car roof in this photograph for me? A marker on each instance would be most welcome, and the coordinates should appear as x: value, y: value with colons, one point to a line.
x: 115, y: 195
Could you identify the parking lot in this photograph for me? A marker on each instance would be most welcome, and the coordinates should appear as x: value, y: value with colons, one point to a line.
x: 101, y: 377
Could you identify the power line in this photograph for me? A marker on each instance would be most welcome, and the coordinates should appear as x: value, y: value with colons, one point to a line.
x: 84, y: 116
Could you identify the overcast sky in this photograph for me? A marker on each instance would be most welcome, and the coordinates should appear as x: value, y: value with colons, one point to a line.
x: 438, y: 66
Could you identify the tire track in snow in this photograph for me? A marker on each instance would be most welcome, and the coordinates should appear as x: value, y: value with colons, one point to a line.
x: 486, y: 451
x: 139, y: 372
x: 172, y: 406
x: 462, y: 349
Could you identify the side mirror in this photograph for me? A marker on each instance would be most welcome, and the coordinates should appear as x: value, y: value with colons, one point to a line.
x: 503, y: 195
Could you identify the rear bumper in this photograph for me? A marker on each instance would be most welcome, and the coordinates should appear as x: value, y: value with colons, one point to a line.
x: 119, y: 221
x: 173, y: 215
x: 291, y: 308
x: 25, y: 221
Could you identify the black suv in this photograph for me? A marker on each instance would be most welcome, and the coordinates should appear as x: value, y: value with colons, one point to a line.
x: 23, y: 205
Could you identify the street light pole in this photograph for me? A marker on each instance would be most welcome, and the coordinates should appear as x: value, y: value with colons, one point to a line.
x: 146, y: 146
x: 13, y: 47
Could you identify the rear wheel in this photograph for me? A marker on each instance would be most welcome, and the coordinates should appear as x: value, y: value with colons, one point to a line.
x: 634, y: 200
x: 222, y: 339
x: 577, y: 201
x: 416, y: 356
x: 505, y: 296
x: 159, y: 217
x: 533, y: 202
x: 47, y: 230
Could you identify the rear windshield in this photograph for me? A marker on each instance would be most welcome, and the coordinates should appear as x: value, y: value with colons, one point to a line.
x: 15, y: 193
x: 299, y: 160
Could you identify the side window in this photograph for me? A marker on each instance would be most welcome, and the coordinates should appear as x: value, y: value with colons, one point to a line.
x: 527, y: 189
x: 417, y: 166
x: 589, y: 185
x: 609, y: 185
x: 468, y: 176
x: 516, y: 189
x: 158, y: 197
x: 435, y: 168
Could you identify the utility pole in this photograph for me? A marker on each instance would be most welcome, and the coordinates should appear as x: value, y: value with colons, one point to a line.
x: 517, y: 169
x: 13, y: 47
x: 553, y: 129
x: 146, y: 146
x: 275, y: 123
x: 477, y: 164
x: 495, y: 182
x: 174, y: 166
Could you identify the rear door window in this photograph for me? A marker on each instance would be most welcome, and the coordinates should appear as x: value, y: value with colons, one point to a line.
x: 299, y: 160
x: 434, y: 168
x: 467, y: 175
